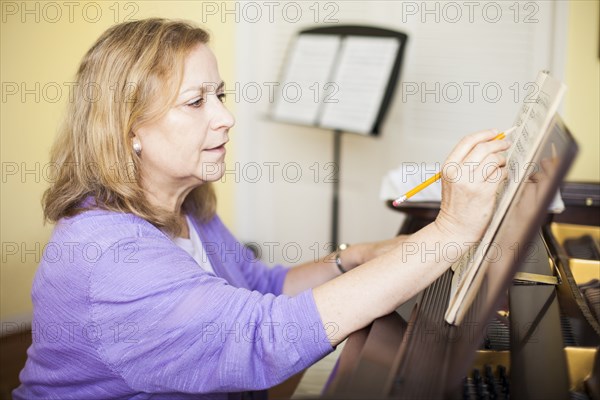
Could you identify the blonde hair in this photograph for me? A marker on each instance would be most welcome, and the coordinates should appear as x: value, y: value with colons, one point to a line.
x: 129, y: 77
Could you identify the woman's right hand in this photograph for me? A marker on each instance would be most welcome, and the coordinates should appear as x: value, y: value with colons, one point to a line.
x: 471, y: 176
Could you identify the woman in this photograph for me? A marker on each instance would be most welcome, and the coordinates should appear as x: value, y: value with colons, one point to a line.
x: 144, y: 291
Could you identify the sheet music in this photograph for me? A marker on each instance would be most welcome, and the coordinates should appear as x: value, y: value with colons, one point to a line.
x: 528, y: 103
x: 526, y: 140
x: 308, y: 69
x: 533, y: 120
x: 362, y: 75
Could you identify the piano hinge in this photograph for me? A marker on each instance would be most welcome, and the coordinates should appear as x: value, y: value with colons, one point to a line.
x: 529, y: 278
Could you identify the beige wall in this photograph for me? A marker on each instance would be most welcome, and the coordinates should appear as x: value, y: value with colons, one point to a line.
x: 582, y: 102
x: 42, y: 55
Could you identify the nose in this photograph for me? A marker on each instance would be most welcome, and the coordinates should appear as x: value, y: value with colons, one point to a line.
x: 222, y: 118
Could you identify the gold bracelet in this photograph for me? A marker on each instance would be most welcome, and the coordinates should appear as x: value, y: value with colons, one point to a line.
x: 338, y: 259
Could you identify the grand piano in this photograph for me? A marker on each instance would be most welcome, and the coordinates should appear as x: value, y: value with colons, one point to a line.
x: 532, y: 331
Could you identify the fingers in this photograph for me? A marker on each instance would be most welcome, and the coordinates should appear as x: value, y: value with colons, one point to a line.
x: 471, y: 177
x: 492, y: 168
x: 548, y: 165
x: 479, y: 154
x: 483, y: 149
x: 467, y: 144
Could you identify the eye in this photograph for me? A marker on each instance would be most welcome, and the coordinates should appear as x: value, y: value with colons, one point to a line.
x: 222, y: 97
x: 197, y: 103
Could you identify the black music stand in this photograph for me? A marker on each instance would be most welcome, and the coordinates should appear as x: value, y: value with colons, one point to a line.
x: 344, y: 31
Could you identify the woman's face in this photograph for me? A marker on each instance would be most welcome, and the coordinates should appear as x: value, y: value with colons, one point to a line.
x: 186, y: 147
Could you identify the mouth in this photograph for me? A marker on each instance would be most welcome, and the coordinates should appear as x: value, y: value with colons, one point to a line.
x: 219, y: 148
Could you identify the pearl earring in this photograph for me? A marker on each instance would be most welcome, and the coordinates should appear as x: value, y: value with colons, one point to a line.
x: 137, y: 146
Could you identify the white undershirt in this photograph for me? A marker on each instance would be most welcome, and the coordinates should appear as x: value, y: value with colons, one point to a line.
x: 193, y: 246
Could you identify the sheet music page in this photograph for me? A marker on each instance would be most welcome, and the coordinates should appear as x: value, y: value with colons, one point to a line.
x: 533, y: 120
x: 307, y: 73
x: 522, y: 117
x: 361, y: 77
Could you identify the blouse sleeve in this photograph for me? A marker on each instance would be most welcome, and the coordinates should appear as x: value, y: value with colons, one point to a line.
x: 168, y: 326
x: 259, y: 276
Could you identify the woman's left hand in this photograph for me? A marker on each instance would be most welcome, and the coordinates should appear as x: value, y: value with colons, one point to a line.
x: 312, y: 274
x: 360, y: 253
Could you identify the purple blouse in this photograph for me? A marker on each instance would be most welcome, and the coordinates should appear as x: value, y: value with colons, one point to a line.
x: 120, y: 311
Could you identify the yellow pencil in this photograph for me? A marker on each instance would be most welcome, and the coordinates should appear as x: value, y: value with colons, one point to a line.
x: 436, y: 177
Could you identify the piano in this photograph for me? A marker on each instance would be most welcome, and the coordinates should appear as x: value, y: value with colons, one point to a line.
x: 532, y: 331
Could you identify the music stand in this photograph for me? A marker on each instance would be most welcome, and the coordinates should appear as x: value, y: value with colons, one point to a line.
x: 317, y: 119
